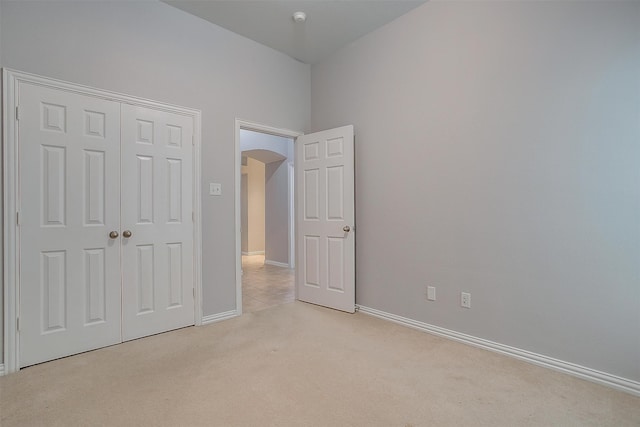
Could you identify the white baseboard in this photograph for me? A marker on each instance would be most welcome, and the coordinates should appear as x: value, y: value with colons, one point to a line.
x: 613, y: 381
x: 213, y: 318
x: 253, y: 253
x: 1, y: 369
x: 276, y: 263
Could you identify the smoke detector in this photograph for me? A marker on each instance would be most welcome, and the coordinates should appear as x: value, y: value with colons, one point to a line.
x: 299, y: 17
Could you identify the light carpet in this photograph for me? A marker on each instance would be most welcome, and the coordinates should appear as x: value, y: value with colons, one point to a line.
x: 303, y: 365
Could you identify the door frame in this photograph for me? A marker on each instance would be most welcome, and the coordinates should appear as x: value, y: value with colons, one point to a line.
x: 11, y: 79
x: 256, y: 127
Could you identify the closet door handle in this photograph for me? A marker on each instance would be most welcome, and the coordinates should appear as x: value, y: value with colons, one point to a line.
x: 113, y: 235
x: 126, y: 233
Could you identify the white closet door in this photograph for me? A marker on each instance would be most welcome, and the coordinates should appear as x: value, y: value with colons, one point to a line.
x: 157, y: 182
x: 69, y: 186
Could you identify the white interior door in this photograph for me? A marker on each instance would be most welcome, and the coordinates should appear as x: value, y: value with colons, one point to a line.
x: 69, y: 177
x: 157, y: 168
x: 325, y: 241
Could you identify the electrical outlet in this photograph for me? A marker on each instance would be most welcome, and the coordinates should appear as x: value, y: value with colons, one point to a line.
x: 465, y: 300
x: 431, y: 293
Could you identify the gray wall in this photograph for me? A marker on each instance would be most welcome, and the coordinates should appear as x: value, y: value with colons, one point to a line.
x: 497, y: 152
x: 255, y: 231
x: 155, y: 51
x: 244, y: 211
x: 276, y: 210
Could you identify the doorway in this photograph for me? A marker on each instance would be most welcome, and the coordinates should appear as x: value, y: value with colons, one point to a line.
x: 264, y: 216
x: 266, y: 201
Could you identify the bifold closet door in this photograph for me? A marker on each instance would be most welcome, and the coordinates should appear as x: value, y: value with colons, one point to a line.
x: 69, y: 186
x: 157, y: 221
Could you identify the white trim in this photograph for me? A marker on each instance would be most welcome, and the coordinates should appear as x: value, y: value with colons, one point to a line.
x: 213, y: 318
x: 613, y: 381
x: 276, y: 263
x: 253, y: 253
x: 10, y: 82
x: 9, y: 190
x: 1, y: 369
x: 257, y: 127
x: 197, y: 224
x: 292, y: 214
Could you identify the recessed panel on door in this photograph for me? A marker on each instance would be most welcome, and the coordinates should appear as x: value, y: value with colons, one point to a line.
x: 335, y: 263
x: 53, y: 294
x: 335, y: 193
x: 174, y: 190
x: 54, y: 184
x: 95, y: 290
x: 145, y: 279
x: 311, y: 202
x: 94, y: 187
x: 174, y: 273
x: 94, y: 124
x: 145, y: 182
x: 312, y: 261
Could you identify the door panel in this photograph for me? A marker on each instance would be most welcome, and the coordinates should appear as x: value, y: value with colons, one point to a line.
x: 325, y: 273
x: 69, y: 178
x: 157, y: 209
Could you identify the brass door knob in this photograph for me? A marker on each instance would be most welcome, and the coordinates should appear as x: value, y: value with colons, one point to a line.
x: 346, y: 229
x: 114, y: 234
x: 126, y: 233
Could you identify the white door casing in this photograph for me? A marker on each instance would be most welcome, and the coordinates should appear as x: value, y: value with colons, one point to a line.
x: 74, y: 195
x: 70, y: 188
x: 157, y: 210
x: 325, y: 219
x: 256, y: 127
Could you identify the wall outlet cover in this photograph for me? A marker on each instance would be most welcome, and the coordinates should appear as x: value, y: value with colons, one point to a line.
x: 465, y: 300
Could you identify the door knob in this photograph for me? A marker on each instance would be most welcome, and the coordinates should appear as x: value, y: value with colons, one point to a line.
x: 114, y: 234
x: 126, y: 233
x: 346, y: 229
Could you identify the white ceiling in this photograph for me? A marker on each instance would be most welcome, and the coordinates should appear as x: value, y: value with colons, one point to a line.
x: 330, y: 25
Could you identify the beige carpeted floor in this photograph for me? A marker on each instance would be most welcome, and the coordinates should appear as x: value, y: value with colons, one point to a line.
x: 302, y: 365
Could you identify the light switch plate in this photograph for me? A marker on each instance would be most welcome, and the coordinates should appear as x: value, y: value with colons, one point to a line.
x: 215, y: 189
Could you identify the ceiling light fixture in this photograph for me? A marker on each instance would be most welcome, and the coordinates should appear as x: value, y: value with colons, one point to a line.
x: 299, y: 17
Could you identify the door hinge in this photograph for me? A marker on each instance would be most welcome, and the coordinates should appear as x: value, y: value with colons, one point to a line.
x: 193, y: 216
x: 17, y: 218
x: 17, y: 112
x: 193, y: 140
x: 18, y: 324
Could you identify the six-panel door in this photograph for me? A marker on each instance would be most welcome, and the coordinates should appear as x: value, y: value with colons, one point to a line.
x: 156, y: 208
x: 69, y: 185
x: 325, y: 242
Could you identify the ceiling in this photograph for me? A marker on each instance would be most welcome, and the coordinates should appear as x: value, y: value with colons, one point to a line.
x: 330, y: 24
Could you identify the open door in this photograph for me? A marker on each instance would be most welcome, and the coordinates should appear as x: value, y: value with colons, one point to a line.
x: 325, y: 215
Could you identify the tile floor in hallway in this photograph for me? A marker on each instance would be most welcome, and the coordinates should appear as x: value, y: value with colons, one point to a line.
x: 264, y: 285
